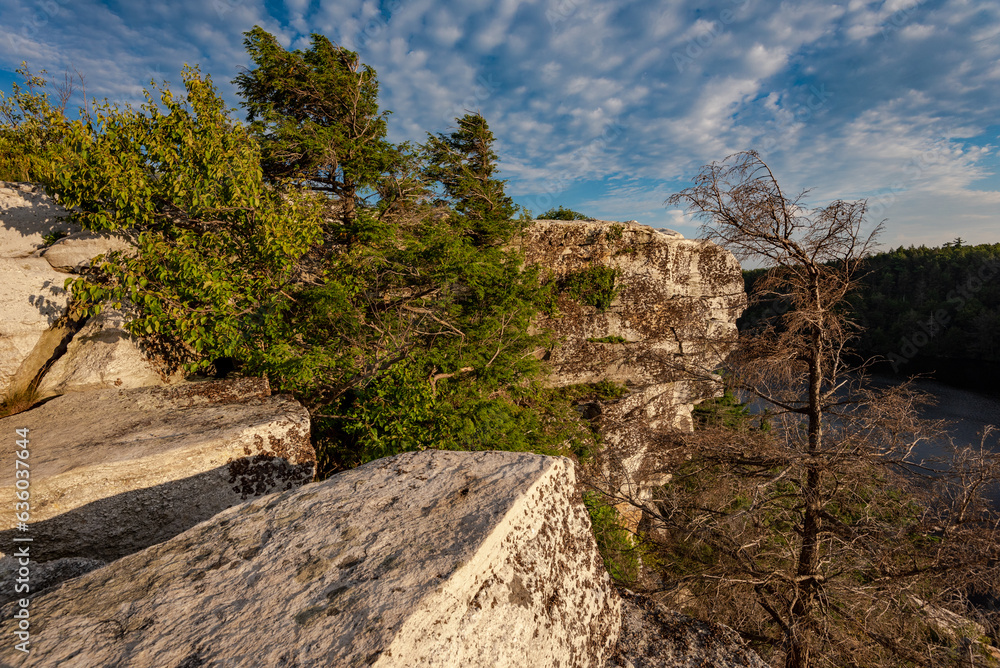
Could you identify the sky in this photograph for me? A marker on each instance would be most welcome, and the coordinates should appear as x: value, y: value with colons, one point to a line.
x: 608, y: 108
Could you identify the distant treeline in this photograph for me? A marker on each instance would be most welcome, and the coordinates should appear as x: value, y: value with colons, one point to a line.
x: 922, y: 309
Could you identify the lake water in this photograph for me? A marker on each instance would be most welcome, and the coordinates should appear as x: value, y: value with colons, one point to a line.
x: 968, y: 411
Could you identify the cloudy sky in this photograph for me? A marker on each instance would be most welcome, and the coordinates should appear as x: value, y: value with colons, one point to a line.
x: 609, y: 107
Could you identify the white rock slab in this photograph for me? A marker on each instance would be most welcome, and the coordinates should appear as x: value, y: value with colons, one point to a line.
x: 434, y: 558
x: 75, y: 252
x: 32, y: 299
x: 102, y: 355
x: 114, y: 471
x: 27, y: 214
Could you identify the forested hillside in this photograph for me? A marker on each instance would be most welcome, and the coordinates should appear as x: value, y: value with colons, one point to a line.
x: 925, y: 310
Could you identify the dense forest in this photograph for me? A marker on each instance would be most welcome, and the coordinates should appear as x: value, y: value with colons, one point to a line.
x: 924, y: 310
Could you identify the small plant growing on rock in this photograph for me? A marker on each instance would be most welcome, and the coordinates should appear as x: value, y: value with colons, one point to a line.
x: 563, y: 214
x: 616, y: 544
x: 608, y: 339
x: 54, y: 236
x: 594, y: 286
x: 18, y: 402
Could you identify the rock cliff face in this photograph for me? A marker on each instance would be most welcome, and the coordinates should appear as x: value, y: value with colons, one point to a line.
x: 479, y: 560
x: 672, y: 320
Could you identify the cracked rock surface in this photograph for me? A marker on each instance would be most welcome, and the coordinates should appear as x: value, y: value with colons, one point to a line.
x: 435, y: 558
x: 674, y: 315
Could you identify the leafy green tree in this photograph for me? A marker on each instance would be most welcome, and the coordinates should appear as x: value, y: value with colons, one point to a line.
x: 217, y: 247
x: 316, y: 116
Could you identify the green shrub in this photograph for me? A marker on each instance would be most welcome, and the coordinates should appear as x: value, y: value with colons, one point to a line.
x: 563, y: 214
x: 594, y: 286
x: 618, y: 547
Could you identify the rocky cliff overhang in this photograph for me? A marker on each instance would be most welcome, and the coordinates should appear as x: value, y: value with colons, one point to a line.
x: 671, y: 322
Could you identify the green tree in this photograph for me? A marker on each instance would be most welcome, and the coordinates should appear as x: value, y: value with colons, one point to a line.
x: 31, y: 125
x: 317, y: 117
x: 409, y: 331
x: 217, y: 247
x: 563, y: 214
x: 464, y: 164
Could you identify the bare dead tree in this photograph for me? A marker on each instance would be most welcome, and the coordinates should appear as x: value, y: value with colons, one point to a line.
x: 822, y: 538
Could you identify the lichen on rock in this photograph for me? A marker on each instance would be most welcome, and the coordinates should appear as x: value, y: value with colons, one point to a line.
x: 673, y: 319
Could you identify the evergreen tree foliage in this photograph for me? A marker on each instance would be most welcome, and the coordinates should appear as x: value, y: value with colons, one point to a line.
x: 316, y: 115
x: 464, y: 165
x: 917, y: 303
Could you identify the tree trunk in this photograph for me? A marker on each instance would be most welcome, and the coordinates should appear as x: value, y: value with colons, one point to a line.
x: 808, y: 566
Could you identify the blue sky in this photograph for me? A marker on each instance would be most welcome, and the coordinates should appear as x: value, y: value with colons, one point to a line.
x: 609, y: 107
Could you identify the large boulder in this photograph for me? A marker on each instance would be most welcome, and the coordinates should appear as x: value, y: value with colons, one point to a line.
x: 114, y: 471
x: 33, y: 305
x: 673, y: 320
x: 432, y: 558
x: 102, y: 355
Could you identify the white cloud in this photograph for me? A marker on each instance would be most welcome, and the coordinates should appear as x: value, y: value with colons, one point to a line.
x: 844, y: 97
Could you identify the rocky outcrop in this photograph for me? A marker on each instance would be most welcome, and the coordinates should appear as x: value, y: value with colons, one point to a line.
x: 114, y: 471
x: 653, y: 636
x: 76, y: 251
x: 36, y: 328
x: 424, y: 559
x: 672, y: 321
x: 102, y: 355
